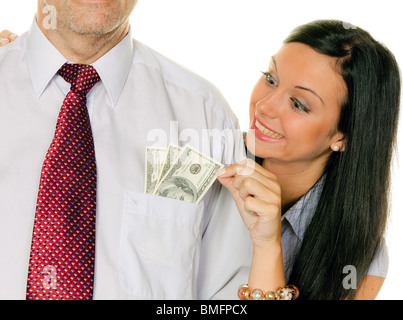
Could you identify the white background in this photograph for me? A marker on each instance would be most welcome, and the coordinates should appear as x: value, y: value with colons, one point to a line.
x: 230, y: 41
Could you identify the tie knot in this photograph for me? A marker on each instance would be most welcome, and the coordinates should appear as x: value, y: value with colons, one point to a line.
x: 81, y: 77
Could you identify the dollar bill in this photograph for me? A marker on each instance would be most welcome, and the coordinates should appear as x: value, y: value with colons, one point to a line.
x: 171, y: 157
x: 190, y: 177
x: 155, y: 159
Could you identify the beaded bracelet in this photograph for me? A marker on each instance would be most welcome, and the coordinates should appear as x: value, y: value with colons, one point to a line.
x: 285, y: 293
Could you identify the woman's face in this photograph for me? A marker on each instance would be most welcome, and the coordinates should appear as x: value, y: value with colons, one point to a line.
x: 295, y: 107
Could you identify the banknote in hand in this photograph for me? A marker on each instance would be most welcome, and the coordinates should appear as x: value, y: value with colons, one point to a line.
x: 186, y: 174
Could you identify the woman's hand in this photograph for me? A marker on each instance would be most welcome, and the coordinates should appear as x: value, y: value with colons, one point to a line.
x: 7, y: 37
x: 257, y: 195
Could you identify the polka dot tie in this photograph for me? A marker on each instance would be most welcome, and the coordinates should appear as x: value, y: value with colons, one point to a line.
x: 63, y: 242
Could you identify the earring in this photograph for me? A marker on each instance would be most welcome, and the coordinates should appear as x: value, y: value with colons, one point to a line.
x: 335, y: 148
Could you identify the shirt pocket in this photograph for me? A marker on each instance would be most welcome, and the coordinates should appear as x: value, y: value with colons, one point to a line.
x: 159, y: 239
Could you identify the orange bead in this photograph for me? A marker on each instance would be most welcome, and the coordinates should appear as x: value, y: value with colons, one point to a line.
x: 241, y: 291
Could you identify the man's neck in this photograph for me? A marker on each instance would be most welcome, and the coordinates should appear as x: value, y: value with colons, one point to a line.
x: 84, y: 48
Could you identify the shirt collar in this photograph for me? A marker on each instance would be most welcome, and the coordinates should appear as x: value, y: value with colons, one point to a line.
x: 44, y: 60
x: 301, y: 213
x: 114, y: 67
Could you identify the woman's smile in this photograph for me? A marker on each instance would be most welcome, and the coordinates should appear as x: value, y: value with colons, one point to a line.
x: 264, y: 133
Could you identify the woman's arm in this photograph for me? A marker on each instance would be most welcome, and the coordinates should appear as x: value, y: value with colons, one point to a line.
x: 369, y: 288
x: 267, y: 271
x: 258, y: 198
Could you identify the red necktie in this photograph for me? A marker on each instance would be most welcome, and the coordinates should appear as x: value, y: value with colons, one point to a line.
x: 63, y: 243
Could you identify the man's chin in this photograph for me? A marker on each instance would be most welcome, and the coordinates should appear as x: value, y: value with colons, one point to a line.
x: 95, y: 26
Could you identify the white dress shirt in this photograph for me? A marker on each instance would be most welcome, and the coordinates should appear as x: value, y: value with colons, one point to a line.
x: 147, y: 247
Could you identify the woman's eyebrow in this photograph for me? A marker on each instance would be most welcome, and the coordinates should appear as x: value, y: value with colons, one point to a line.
x: 310, y: 90
x: 274, y: 62
x: 273, y: 59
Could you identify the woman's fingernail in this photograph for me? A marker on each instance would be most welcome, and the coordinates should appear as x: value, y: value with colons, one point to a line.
x: 221, y: 172
x: 13, y: 36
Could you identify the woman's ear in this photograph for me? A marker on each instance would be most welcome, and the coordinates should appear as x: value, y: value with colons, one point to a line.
x: 339, y: 144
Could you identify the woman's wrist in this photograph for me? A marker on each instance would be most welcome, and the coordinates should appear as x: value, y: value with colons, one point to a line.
x: 263, y: 245
x: 266, y: 277
x: 267, y: 271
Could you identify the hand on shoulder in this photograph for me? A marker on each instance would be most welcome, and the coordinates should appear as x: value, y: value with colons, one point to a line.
x: 6, y: 37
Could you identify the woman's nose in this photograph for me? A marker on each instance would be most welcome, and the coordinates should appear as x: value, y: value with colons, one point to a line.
x: 270, y: 105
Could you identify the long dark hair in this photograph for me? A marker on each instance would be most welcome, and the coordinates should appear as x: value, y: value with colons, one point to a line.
x: 349, y: 222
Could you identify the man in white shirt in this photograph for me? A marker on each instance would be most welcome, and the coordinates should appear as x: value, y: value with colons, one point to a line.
x: 147, y: 247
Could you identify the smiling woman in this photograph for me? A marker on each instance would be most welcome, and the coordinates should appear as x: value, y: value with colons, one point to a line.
x: 323, y: 117
x: 295, y: 106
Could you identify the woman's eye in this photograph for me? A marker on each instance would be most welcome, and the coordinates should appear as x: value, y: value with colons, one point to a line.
x: 269, y: 79
x: 298, y: 106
